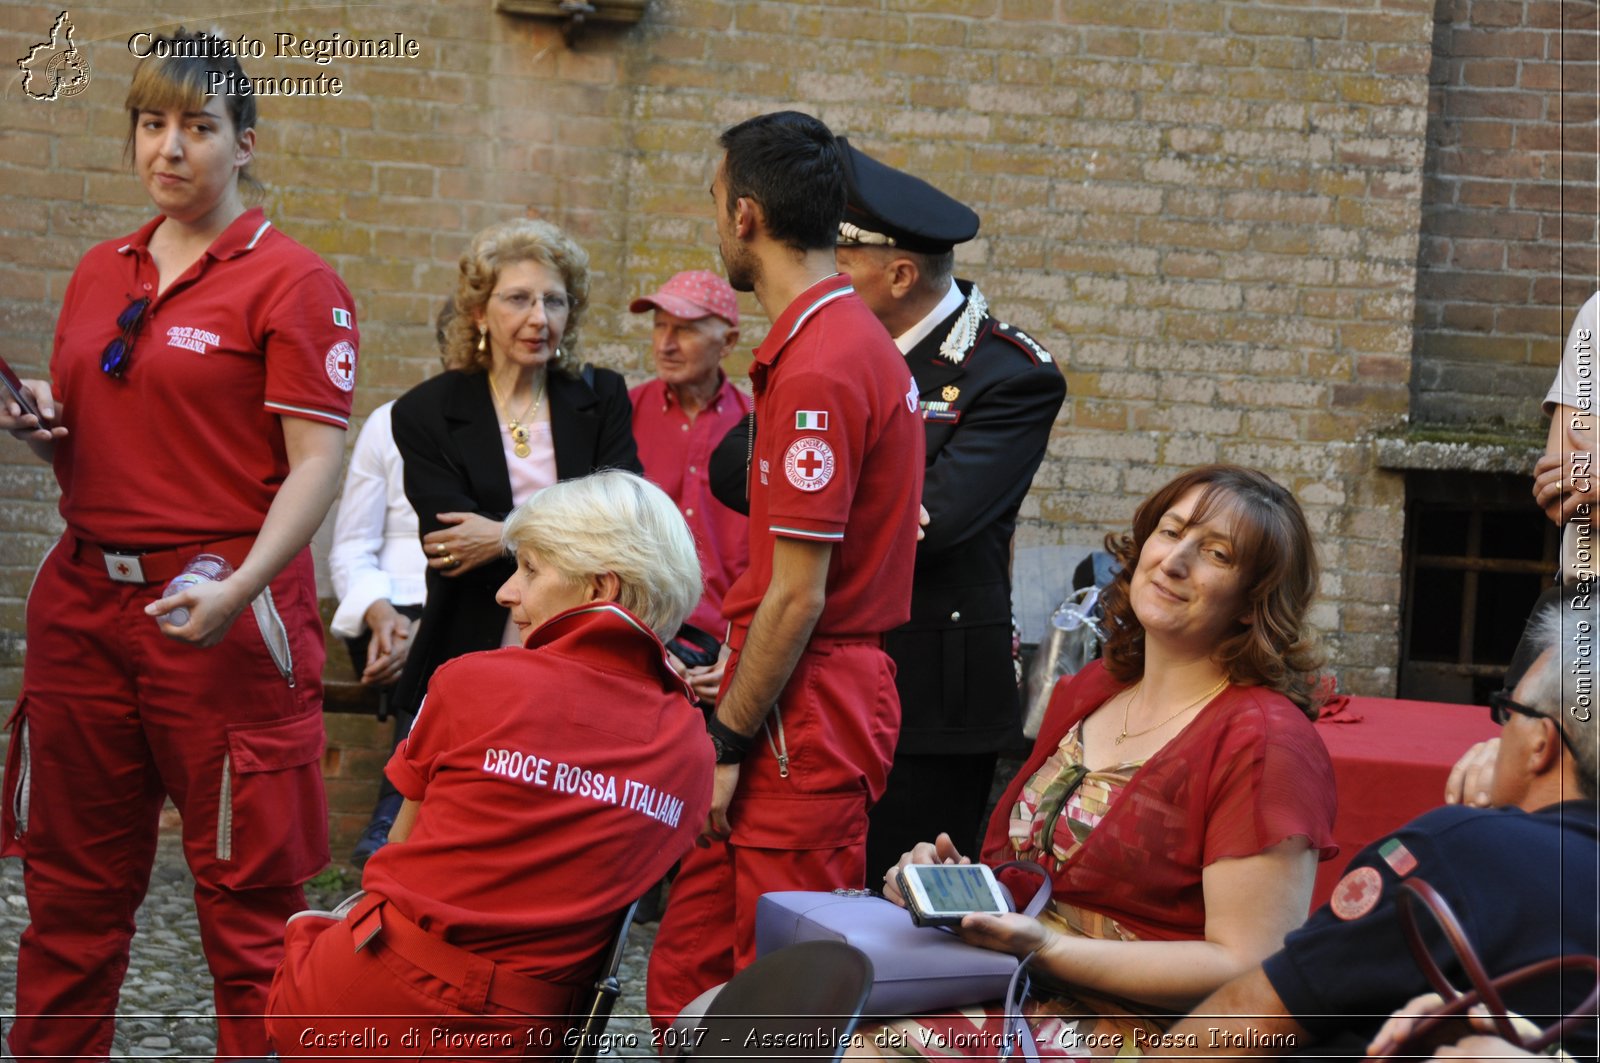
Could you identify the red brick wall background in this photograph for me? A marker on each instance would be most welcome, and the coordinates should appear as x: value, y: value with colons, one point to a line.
x: 1508, y: 250
x: 1210, y: 211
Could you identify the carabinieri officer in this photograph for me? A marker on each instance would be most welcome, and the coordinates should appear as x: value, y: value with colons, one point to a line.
x: 988, y: 396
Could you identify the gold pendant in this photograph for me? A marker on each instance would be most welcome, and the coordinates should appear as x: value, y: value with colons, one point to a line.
x: 519, y: 439
x: 522, y: 450
x: 1120, y: 737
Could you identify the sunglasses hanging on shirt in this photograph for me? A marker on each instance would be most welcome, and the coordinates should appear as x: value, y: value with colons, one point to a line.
x: 119, y: 352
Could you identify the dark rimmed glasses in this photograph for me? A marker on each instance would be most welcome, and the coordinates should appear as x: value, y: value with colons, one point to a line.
x: 114, y: 359
x: 1502, y: 706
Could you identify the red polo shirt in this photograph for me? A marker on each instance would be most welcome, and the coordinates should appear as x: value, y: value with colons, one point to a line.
x: 186, y: 446
x: 558, y: 782
x: 838, y: 458
x: 676, y: 453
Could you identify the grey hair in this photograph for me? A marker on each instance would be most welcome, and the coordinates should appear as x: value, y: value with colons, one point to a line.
x: 1565, y: 688
x: 613, y: 521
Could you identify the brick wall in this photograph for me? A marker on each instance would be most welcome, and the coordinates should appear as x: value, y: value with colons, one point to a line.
x: 1508, y: 249
x: 1208, y: 210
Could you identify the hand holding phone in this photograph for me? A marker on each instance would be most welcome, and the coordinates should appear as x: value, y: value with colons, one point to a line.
x: 19, y: 394
x: 36, y: 419
x: 941, y: 894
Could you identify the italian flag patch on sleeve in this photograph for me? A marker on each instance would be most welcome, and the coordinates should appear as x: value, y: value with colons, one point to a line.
x: 815, y: 420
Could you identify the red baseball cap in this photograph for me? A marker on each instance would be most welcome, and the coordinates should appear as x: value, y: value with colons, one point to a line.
x: 691, y: 295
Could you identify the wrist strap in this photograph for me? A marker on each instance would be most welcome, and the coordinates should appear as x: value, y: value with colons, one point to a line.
x: 728, y: 736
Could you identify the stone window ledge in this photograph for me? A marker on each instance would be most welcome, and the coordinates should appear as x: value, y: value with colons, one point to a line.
x: 1448, y: 449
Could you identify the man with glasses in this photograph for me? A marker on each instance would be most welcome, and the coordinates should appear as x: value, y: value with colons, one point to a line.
x: 1520, y: 875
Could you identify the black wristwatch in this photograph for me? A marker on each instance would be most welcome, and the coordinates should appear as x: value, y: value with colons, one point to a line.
x: 731, y: 746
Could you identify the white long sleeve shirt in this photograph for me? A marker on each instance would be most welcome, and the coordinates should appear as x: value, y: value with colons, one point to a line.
x: 376, y: 553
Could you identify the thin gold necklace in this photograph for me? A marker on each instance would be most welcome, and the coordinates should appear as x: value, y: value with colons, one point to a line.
x: 1127, y: 708
x: 518, y: 426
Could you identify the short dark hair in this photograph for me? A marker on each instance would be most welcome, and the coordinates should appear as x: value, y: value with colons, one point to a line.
x: 791, y: 164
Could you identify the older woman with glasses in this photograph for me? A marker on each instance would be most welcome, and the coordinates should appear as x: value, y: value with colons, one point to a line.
x: 515, y: 411
x: 200, y: 383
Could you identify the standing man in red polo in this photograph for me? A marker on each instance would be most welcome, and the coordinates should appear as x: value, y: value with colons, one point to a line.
x: 806, y: 725
x: 678, y: 420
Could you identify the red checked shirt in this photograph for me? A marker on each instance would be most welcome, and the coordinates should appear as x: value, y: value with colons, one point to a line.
x: 558, y: 782
x: 186, y: 447
x: 676, y: 453
x: 837, y: 458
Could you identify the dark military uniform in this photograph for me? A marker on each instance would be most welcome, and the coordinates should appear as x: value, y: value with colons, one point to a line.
x: 953, y: 670
x: 989, y: 395
x: 1523, y: 885
x: 988, y: 410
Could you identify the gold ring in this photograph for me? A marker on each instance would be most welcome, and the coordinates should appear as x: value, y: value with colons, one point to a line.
x: 449, y: 560
x: 1561, y: 486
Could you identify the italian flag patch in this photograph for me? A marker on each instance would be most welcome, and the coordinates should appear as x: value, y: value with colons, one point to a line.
x: 1398, y: 857
x: 815, y: 420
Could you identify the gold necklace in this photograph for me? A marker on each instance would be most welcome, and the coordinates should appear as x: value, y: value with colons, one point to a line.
x: 517, y: 426
x: 1127, y: 708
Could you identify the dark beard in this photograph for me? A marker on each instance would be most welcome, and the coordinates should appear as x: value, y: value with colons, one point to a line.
x: 743, y: 270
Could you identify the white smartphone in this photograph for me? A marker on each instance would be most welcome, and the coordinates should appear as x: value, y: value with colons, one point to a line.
x: 940, y: 894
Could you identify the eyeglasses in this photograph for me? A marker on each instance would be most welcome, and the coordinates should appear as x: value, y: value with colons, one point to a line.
x: 114, y: 359
x: 1502, y: 706
x: 521, y: 302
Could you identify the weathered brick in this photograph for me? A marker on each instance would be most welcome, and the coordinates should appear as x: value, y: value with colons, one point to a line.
x: 1187, y: 195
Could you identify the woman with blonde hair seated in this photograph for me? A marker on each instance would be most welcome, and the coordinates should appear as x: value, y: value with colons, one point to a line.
x: 546, y: 787
x: 1177, y: 794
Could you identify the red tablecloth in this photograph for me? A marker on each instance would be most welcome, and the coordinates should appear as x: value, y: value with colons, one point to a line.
x: 1390, y: 761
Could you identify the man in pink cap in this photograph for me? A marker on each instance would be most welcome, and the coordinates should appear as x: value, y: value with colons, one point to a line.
x: 678, y: 420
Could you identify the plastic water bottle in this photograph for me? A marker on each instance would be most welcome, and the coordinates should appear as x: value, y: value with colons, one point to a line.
x: 202, y: 568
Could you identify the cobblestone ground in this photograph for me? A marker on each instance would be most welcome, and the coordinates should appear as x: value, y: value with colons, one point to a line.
x: 165, y: 1011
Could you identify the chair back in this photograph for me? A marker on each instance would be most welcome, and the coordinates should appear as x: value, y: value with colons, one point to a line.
x: 586, y: 1036
x: 800, y: 1002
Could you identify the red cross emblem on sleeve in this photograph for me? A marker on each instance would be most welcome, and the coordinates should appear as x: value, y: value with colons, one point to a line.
x: 808, y: 463
x: 341, y: 365
x: 1357, y: 893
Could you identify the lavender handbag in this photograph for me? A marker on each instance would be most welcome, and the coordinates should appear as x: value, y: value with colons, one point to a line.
x: 915, y: 969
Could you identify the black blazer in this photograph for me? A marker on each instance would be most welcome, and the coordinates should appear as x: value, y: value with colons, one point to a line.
x: 448, y: 433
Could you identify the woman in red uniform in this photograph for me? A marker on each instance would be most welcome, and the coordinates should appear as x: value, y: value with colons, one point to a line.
x: 547, y: 786
x: 1177, y: 793
x: 199, y: 390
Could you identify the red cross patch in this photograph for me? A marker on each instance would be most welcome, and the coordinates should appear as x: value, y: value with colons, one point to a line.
x: 809, y: 463
x: 1357, y: 893
x: 341, y: 365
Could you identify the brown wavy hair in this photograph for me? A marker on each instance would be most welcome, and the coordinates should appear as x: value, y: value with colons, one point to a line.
x: 1275, y: 556
x: 505, y: 244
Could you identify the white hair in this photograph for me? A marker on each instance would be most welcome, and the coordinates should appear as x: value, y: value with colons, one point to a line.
x: 1565, y: 688
x: 616, y: 522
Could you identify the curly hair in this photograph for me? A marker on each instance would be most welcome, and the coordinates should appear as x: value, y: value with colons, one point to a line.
x: 505, y: 244
x: 1277, y: 562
